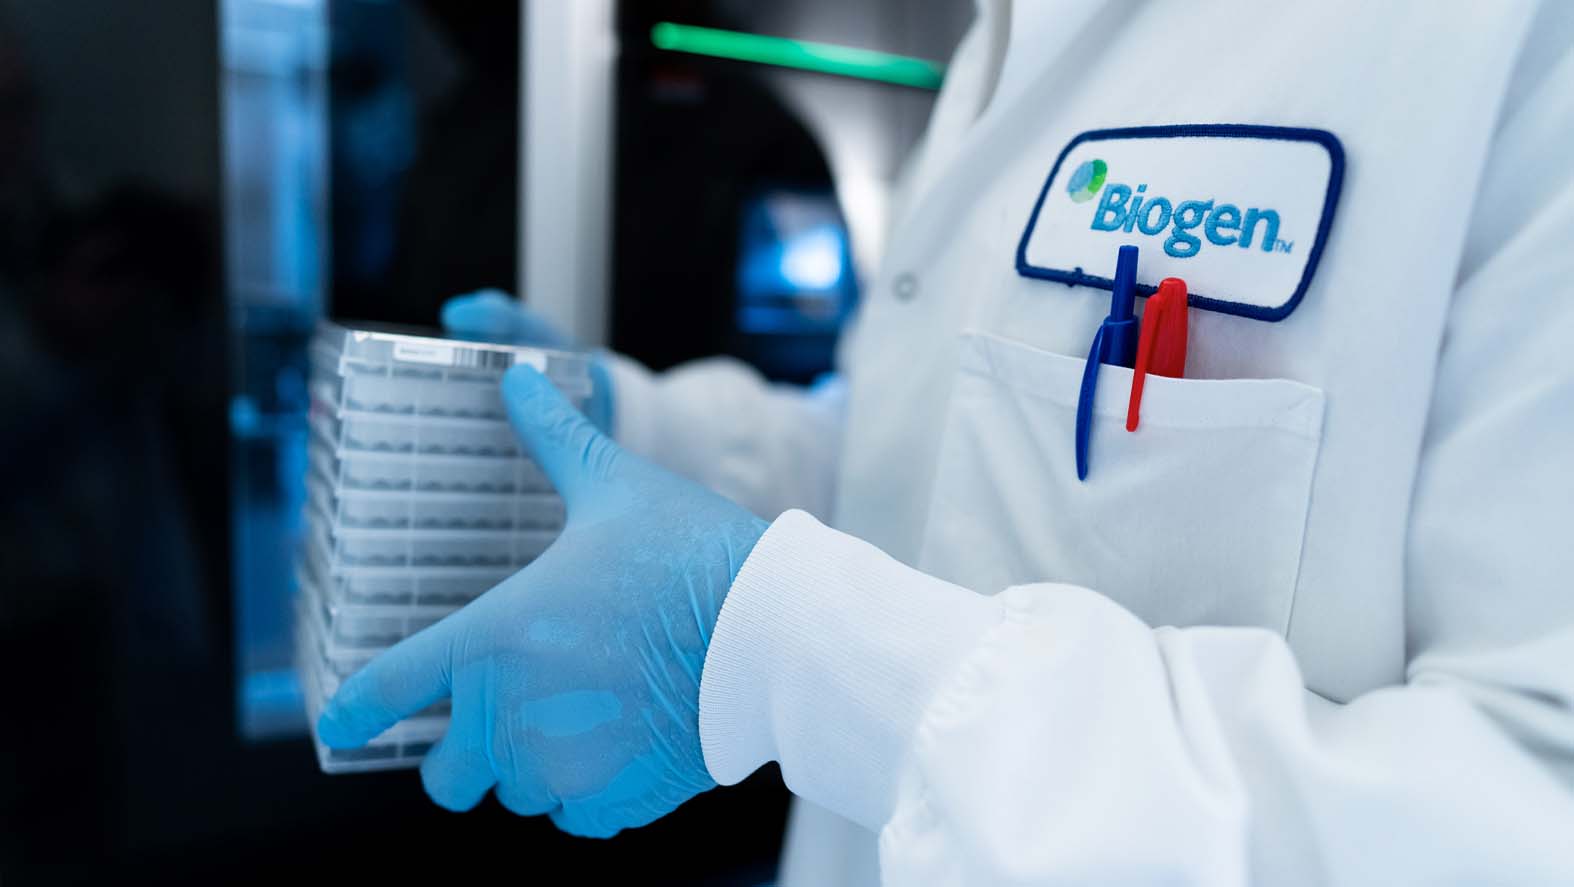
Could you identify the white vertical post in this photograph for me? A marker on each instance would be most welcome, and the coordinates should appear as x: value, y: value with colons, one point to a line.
x: 567, y: 51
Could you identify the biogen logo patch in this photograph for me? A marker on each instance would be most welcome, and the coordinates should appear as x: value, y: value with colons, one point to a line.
x: 1240, y: 212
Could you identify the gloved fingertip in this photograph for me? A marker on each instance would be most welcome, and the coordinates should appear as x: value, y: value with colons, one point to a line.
x: 567, y: 447
x: 475, y: 320
x: 531, y: 328
x: 450, y: 797
x: 453, y: 312
x: 541, y: 414
x: 521, y: 800
x: 486, y: 297
x: 524, y: 381
x: 576, y: 820
x: 334, y: 732
x: 349, y: 718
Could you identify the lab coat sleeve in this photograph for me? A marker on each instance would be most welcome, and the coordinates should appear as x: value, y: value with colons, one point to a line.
x: 766, y: 446
x: 1046, y: 734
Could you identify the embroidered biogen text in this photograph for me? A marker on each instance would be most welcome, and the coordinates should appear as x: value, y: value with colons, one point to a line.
x: 1222, y: 223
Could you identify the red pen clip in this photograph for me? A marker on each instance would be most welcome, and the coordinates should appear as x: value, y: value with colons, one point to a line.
x: 1161, y: 348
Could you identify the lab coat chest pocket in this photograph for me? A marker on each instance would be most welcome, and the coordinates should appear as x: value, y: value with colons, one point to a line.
x: 1195, y: 518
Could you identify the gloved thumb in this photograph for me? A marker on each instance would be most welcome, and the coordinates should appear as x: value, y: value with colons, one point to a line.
x: 486, y: 316
x: 491, y: 315
x: 574, y: 454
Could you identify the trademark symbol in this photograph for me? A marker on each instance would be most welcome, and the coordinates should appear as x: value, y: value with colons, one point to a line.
x: 1283, y: 246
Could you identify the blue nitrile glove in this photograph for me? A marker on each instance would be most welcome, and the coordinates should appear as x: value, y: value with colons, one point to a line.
x: 492, y: 315
x: 575, y: 683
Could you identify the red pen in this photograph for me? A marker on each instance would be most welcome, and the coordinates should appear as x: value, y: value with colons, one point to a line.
x: 1161, y: 348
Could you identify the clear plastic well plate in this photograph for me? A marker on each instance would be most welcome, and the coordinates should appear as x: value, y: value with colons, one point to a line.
x: 353, y: 627
x: 418, y: 473
x: 393, y: 510
x: 374, y: 510
x: 357, y: 547
x: 347, y: 636
x: 402, y: 745
x: 371, y: 432
x: 397, y: 587
x: 405, y: 372
x: 359, y: 347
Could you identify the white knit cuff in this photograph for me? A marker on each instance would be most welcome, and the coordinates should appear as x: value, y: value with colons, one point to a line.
x: 825, y: 655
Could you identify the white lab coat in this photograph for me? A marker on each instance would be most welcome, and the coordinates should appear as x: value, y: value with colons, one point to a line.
x: 1313, y: 623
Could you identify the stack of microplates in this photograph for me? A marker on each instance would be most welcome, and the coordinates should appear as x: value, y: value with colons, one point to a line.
x: 419, y: 498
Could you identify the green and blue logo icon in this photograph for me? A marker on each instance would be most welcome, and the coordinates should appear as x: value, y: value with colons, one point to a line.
x: 1087, y: 180
x: 1127, y: 209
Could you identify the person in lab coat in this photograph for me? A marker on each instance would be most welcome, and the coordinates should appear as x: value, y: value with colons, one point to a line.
x: 1310, y: 623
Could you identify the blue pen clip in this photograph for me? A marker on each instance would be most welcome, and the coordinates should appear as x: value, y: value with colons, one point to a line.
x: 1114, y: 343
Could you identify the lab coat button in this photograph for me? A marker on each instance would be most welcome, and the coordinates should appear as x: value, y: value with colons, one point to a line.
x: 905, y: 286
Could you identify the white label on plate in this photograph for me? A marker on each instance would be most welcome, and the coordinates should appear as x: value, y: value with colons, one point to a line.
x: 423, y: 352
x: 468, y: 358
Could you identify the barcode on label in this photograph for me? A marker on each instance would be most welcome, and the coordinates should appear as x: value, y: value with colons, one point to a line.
x: 483, y: 360
x: 464, y: 358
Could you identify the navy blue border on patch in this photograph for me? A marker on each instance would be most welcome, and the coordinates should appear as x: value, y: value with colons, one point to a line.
x: 1076, y: 277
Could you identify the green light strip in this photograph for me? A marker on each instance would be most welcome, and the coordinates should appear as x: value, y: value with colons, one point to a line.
x: 826, y: 58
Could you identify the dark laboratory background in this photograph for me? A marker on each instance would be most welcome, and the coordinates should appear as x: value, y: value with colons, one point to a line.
x: 185, y: 188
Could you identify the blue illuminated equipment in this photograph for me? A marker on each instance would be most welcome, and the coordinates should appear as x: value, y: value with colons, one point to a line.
x: 794, y: 281
x: 794, y: 267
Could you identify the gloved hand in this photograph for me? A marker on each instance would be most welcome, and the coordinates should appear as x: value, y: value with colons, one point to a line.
x: 575, y: 683
x: 492, y: 315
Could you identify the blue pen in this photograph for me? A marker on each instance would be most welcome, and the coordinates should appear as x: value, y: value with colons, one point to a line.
x: 1121, y: 329
x: 1114, y: 343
